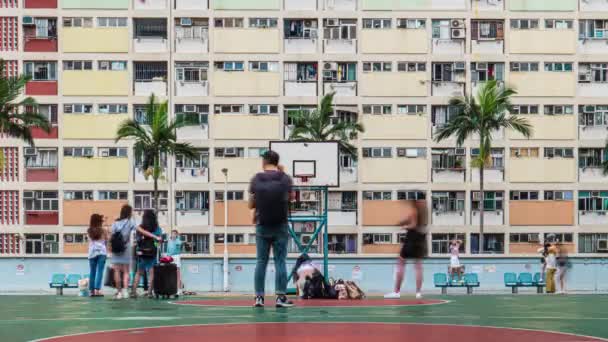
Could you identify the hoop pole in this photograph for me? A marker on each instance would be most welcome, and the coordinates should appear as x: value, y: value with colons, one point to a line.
x: 325, y: 235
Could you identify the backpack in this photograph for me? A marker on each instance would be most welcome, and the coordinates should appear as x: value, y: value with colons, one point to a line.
x: 354, y: 292
x: 316, y: 287
x: 117, y: 242
x: 146, y: 248
x: 271, y: 198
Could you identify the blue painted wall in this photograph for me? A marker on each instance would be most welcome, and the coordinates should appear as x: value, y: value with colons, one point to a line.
x: 376, y: 275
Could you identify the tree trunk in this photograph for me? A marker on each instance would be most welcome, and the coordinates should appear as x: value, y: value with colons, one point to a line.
x: 155, y: 175
x: 481, y: 207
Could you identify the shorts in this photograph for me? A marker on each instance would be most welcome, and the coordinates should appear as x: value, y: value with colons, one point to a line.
x: 177, y: 260
x: 454, y: 262
x: 145, y: 264
x: 414, y: 246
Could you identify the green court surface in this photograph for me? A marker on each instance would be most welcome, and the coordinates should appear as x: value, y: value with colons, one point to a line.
x: 25, y: 318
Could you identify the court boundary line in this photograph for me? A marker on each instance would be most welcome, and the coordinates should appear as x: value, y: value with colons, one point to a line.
x: 442, y: 301
x: 327, y: 323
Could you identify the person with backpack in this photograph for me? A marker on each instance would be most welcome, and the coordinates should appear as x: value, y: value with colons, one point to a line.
x: 121, y: 250
x: 269, y: 195
x: 148, y: 234
x: 97, y: 254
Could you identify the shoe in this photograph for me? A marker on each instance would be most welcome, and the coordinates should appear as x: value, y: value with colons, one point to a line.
x: 118, y: 295
x: 125, y: 295
x: 392, y: 295
x: 418, y: 295
x: 283, y: 302
x: 259, y: 302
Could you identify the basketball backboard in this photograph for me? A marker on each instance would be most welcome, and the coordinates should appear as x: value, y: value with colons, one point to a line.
x: 310, y: 163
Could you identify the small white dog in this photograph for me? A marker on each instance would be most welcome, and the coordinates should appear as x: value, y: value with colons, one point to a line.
x: 83, y: 287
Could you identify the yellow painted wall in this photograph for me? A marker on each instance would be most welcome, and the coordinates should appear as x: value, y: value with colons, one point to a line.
x: 240, y: 170
x: 549, y: 127
x: 394, y: 41
x: 542, y: 41
x: 393, y: 170
x: 246, y: 83
x: 95, y: 83
x: 83, y: 126
x: 543, y: 83
x: 246, y: 40
x: 541, y: 170
x: 98, y: 39
x: 230, y: 126
x: 393, y: 84
x: 382, y: 127
x: 95, y: 170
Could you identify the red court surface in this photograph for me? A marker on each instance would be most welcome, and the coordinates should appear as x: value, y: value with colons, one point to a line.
x: 323, y: 332
x: 318, y: 303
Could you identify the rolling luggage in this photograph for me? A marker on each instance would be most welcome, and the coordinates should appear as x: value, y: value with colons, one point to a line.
x: 165, y: 280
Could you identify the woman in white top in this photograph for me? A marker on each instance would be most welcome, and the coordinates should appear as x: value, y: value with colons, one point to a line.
x: 98, y: 253
x: 455, y: 266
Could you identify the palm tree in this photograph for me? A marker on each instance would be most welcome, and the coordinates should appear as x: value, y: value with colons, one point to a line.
x: 481, y: 115
x: 317, y: 125
x: 154, y: 139
x: 13, y: 122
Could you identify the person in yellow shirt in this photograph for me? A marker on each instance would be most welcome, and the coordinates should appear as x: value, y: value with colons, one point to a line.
x: 551, y: 265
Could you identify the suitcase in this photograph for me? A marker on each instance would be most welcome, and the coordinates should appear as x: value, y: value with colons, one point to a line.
x: 165, y: 280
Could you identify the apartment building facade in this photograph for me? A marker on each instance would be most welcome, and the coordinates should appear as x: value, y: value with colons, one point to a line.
x: 237, y: 68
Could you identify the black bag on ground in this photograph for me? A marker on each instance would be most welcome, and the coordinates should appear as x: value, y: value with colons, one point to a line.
x: 117, y: 242
x: 318, y: 288
x: 165, y: 280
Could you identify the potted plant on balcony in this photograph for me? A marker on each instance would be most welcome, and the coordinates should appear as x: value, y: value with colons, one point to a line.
x: 481, y: 114
x: 13, y: 122
x: 156, y: 138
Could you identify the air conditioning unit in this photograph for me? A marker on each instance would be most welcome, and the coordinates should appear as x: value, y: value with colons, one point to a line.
x: 330, y: 66
x: 190, y: 108
x: 104, y: 152
x: 185, y: 21
x: 28, y: 20
x: 332, y: 22
x: 29, y: 151
x: 459, y: 66
x: 584, y: 78
x: 460, y: 151
x: 458, y: 33
x: 401, y: 152
x: 230, y: 152
x: 179, y: 194
x: 482, y: 66
x: 307, y: 23
x: 602, y: 245
x: 457, y: 23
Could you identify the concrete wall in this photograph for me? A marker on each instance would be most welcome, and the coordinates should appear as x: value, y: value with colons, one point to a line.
x: 541, y: 213
x: 95, y: 40
x: 402, y: 41
x: 541, y: 170
x: 78, y: 212
x: 95, y: 83
x: 543, y: 5
x: 549, y: 127
x: 246, y: 83
x: 86, y: 126
x: 246, y: 4
x: 394, y: 170
x: 398, y: 84
x: 95, y: 170
x: 542, y: 83
x: 254, y: 127
x: 552, y: 41
x: 385, y: 127
x: 95, y: 4
x: 246, y: 40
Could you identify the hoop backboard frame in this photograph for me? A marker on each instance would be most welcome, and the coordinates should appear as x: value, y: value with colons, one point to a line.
x: 323, y: 155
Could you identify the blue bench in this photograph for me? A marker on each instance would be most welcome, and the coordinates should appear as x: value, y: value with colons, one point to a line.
x: 525, y: 279
x: 539, y: 282
x: 57, y: 282
x: 469, y: 282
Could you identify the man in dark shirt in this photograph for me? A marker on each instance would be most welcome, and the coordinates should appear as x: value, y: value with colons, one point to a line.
x: 269, y: 194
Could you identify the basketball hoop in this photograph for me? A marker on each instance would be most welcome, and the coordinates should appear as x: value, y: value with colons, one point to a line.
x: 302, y: 180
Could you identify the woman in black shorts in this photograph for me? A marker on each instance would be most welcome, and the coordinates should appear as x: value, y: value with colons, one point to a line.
x: 414, y: 247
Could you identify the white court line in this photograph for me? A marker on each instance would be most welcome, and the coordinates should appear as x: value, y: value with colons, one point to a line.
x: 441, y: 302
x: 304, y: 323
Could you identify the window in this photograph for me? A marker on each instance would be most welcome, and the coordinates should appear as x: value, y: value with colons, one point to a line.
x: 411, y: 66
x: 524, y: 66
x: 112, y: 108
x: 41, y: 243
x: 77, y: 195
x: 524, y: 109
x: 40, y: 158
x: 377, y: 23
x: 593, y: 72
x: 448, y: 201
x: 112, y: 195
x: 377, y: 66
x: 593, y: 29
x: 10, y: 244
x: 487, y: 30
x: 201, y: 161
x: 407, y: 23
x: 45, y: 28
x: 559, y: 109
x: 145, y: 200
x: 77, y: 108
x: 411, y: 152
x: 301, y: 72
x: 263, y: 109
x: 263, y: 22
x: 493, y: 200
x: 301, y: 29
x: 558, y: 66
x: 589, y: 201
x: 445, y: 72
x: 112, y: 65
x: 411, y: 109
x: 558, y: 24
x: 377, y: 152
x: 228, y: 22
x: 232, y: 238
x: 377, y: 195
x: 558, y: 195
x: 150, y: 71
x: 77, y: 151
x: 524, y: 238
x: 232, y: 196
x: 111, y: 22
x: 591, y: 157
x: 230, y: 66
x: 106, y: 152
x: 524, y: 196
x: 411, y: 195
x: 229, y: 109
x: 78, y: 65
x: 342, y: 243
x: 377, y: 239
x: 448, y: 158
x: 524, y: 152
x: 80, y: 22
x: 492, y: 243
x: 195, y: 243
x: 441, y: 115
x: 482, y: 72
x: 340, y: 29
x: 524, y: 24
x: 41, y: 200
x: 264, y: 66
x: 75, y: 238
x: 377, y: 109
x: 229, y: 152
x: 191, y: 71
x: 192, y: 200
x: 559, y: 152
x: 193, y: 115
x: 593, y: 243
x: 440, y: 243
x: 41, y: 71
x: 496, y: 158
x: 442, y: 29
x: 561, y: 237
x: 342, y: 72
x: 155, y: 28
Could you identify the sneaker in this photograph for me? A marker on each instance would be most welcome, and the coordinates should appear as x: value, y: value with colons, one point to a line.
x: 283, y: 302
x: 392, y: 295
x: 125, y: 295
x: 118, y: 295
x: 259, y: 302
x: 418, y: 295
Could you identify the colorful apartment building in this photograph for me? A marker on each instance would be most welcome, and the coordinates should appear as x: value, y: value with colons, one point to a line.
x: 237, y: 68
